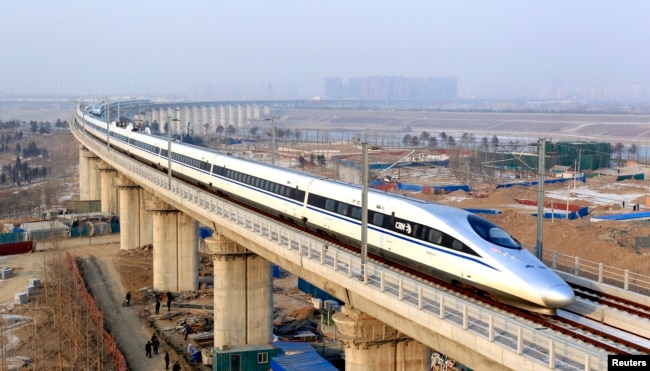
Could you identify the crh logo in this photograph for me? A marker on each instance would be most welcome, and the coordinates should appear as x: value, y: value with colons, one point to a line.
x: 400, y: 226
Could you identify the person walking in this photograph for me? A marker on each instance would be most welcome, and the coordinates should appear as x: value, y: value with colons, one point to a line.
x: 128, y: 298
x: 187, y: 330
x: 169, y: 301
x: 147, y: 349
x: 166, y: 360
x: 155, y: 343
x: 176, y: 367
x: 157, y: 305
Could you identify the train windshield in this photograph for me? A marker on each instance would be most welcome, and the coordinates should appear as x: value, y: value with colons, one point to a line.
x: 492, y: 233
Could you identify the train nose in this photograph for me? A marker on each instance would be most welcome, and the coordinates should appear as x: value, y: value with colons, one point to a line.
x: 559, y: 296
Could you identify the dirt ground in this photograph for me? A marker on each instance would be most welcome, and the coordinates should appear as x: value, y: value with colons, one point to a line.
x: 624, y: 245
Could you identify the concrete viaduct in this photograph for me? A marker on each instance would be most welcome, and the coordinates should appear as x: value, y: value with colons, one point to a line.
x: 389, y: 321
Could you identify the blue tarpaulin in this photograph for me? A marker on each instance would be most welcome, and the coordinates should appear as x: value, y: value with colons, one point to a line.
x: 484, y: 211
x: 626, y: 216
x: 547, y: 181
x: 314, y: 291
x: 205, y: 232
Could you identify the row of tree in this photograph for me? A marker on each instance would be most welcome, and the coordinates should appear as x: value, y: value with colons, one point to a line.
x: 444, y: 140
x: 32, y: 150
x: 21, y: 173
x: 231, y: 130
x: 313, y: 159
x: 34, y: 125
x: 426, y: 140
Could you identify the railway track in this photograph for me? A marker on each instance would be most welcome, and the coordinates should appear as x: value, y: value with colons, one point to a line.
x: 624, y: 305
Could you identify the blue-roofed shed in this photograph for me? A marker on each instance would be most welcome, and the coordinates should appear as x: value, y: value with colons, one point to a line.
x: 311, y: 361
x: 243, y: 357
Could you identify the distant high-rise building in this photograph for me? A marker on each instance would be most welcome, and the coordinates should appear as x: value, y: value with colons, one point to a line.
x: 334, y: 88
x: 392, y: 88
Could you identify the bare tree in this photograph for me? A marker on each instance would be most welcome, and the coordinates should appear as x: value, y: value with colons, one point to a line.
x: 618, y: 149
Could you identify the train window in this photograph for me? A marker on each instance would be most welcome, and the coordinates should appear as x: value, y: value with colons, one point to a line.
x: 452, y: 243
x: 356, y: 212
x: 342, y: 208
x: 329, y: 204
x: 378, y: 219
x: 416, y: 231
x: 434, y: 236
x: 423, y: 233
x: 299, y: 195
x: 492, y: 233
x: 316, y: 201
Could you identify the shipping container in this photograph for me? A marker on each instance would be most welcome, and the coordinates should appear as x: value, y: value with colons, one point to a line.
x: 16, y: 248
x: 243, y: 358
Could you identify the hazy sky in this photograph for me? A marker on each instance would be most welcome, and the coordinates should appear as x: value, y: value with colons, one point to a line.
x: 146, y: 46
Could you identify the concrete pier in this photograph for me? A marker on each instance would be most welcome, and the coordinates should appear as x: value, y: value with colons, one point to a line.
x: 94, y: 177
x: 89, y: 176
x: 243, y: 294
x: 371, y: 345
x: 145, y: 226
x: 108, y: 190
x: 84, y: 180
x: 175, y: 248
x: 129, y: 196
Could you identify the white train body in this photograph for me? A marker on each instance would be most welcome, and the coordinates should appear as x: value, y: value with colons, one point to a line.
x: 434, y: 239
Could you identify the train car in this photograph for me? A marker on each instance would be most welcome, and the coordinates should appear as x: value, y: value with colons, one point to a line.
x: 438, y: 240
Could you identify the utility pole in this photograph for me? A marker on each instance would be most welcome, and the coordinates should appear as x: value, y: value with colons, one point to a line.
x: 108, y: 123
x: 272, y: 119
x: 169, y: 147
x: 272, y: 140
x: 541, y: 149
x: 364, y: 211
x: 577, y: 168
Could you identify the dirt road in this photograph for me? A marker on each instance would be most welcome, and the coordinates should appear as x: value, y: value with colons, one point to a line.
x: 98, y: 262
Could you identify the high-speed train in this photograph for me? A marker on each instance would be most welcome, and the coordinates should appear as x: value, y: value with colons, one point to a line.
x: 450, y: 243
